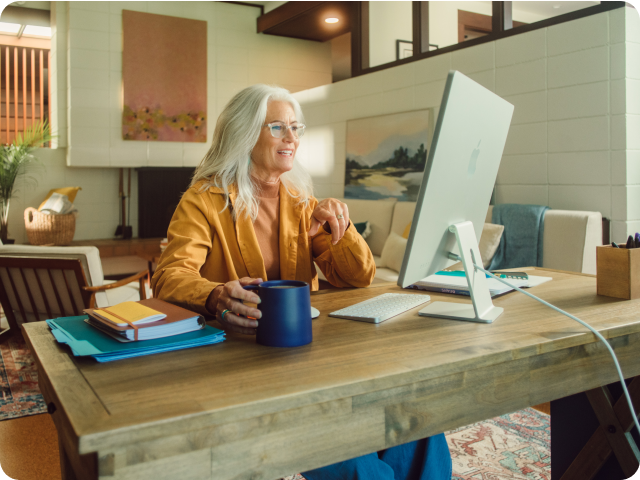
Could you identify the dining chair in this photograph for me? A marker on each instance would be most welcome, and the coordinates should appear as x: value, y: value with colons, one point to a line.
x: 38, y: 283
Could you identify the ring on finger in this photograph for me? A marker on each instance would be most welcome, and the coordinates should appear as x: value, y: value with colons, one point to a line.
x: 224, y: 312
x: 339, y: 216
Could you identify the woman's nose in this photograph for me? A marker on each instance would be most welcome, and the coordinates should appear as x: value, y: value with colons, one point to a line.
x: 289, y: 136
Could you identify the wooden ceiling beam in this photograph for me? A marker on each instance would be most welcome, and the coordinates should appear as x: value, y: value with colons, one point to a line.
x: 285, y: 13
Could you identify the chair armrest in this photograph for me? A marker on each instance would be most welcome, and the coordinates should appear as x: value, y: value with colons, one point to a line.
x: 119, y: 283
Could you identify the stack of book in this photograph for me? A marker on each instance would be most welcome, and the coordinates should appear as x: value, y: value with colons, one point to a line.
x: 133, y: 329
x: 144, y: 320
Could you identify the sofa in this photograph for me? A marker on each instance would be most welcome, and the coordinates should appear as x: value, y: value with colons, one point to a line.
x: 569, y: 239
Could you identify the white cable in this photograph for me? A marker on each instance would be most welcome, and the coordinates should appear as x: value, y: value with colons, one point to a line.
x: 595, y: 332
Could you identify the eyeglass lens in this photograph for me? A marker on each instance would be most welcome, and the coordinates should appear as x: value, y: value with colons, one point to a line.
x: 279, y: 130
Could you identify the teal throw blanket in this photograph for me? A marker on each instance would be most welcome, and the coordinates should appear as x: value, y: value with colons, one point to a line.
x: 521, y: 242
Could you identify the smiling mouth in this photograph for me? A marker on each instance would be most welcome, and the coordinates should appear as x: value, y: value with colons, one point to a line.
x: 286, y: 153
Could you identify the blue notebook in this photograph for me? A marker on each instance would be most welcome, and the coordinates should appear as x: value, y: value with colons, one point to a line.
x: 85, y: 340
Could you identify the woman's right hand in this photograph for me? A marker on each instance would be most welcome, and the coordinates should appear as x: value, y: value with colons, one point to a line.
x: 231, y: 299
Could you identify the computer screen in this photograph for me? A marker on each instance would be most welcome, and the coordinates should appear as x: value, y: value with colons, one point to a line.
x: 461, y: 170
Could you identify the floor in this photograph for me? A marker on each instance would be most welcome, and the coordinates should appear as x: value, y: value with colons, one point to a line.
x: 29, y: 448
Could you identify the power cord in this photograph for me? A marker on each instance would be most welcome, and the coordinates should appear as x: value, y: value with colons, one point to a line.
x: 595, y: 332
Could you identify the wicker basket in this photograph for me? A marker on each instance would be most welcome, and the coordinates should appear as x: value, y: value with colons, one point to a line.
x: 43, y: 229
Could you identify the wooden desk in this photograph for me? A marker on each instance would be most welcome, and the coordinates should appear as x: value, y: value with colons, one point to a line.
x: 240, y: 410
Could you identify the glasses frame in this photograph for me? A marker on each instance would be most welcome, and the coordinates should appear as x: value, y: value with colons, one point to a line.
x: 286, y: 127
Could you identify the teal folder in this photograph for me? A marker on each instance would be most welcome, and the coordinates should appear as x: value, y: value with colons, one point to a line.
x: 85, y: 340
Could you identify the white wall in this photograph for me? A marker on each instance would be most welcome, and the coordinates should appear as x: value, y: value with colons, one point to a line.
x: 388, y: 22
x: 237, y: 57
x: 86, y: 77
x: 574, y: 141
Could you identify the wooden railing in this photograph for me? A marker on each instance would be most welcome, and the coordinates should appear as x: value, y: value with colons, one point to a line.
x: 24, y: 97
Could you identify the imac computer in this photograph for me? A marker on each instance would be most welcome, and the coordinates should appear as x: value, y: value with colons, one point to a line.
x: 459, y: 177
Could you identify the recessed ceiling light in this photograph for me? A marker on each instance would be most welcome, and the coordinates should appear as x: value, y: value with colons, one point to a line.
x: 37, y: 31
x: 556, y: 6
x: 9, y: 27
x: 331, y: 20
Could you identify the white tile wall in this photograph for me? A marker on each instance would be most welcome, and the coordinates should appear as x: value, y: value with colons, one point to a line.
x: 523, y: 194
x: 528, y: 107
x: 580, y: 134
x: 579, y: 168
x: 236, y: 58
x: 521, y: 48
x: 577, y: 104
x: 521, y: 78
x: 581, y: 34
x: 584, y: 66
x: 589, y: 198
x: 523, y: 170
x: 632, y: 100
x: 589, y: 100
x: 564, y: 149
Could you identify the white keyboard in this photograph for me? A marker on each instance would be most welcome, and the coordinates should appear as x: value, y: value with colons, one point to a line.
x: 382, y: 307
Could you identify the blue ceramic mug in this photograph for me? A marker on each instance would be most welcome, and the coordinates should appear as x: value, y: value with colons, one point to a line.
x: 286, y: 313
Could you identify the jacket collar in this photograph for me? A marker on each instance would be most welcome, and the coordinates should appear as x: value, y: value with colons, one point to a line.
x: 290, y: 220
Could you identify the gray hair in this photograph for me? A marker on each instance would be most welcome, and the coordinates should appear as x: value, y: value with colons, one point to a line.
x: 236, y: 134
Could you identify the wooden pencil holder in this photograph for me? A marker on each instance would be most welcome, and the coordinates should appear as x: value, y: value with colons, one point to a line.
x: 618, y: 272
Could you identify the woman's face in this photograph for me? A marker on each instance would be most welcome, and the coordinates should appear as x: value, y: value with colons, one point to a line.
x: 271, y: 157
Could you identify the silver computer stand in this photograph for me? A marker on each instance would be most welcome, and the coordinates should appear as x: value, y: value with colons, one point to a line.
x: 482, y: 309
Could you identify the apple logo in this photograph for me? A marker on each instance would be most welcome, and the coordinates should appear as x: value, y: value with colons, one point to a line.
x: 474, y: 160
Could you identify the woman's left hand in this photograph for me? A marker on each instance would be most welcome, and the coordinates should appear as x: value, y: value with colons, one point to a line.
x: 335, y: 213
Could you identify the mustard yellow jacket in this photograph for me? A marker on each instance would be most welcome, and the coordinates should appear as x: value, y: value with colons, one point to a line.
x: 206, y: 248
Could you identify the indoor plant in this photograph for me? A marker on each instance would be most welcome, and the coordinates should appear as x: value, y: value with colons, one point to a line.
x: 16, y: 160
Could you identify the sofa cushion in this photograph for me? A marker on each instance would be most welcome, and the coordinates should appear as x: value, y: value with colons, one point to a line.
x: 402, y: 216
x: 570, y: 240
x: 378, y: 213
x: 393, y: 252
x: 386, y: 275
x: 489, y: 242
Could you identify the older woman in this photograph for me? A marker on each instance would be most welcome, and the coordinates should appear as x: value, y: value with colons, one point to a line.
x: 249, y: 216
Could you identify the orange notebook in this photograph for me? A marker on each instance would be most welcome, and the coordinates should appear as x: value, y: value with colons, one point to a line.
x: 178, y: 320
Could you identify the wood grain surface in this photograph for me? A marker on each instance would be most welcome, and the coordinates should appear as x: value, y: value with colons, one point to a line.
x: 240, y: 410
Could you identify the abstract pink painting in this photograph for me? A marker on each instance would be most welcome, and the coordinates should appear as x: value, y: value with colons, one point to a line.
x: 164, y: 75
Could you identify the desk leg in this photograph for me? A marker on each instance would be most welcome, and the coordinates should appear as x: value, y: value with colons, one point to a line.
x: 592, y: 436
x: 65, y: 464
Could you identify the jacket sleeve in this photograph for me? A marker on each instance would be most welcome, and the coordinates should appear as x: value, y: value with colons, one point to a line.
x: 349, y: 263
x: 177, y: 279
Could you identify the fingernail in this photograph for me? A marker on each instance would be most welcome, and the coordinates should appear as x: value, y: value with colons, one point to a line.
x: 257, y: 300
x: 258, y: 314
x: 256, y: 325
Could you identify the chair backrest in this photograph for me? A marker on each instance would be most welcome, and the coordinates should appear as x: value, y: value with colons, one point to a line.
x: 89, y: 258
x: 35, y: 289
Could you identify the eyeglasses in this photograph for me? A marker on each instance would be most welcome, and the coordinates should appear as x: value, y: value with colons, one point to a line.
x: 279, y: 130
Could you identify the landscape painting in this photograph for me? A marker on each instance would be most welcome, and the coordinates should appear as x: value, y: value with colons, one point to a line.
x: 386, y: 155
x: 164, y: 75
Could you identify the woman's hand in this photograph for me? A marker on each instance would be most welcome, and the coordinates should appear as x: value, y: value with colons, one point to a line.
x: 231, y: 299
x: 335, y: 213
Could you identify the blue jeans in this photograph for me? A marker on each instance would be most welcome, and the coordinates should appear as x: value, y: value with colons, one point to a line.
x: 426, y: 459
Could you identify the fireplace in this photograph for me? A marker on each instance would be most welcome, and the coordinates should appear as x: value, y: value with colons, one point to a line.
x: 159, y: 191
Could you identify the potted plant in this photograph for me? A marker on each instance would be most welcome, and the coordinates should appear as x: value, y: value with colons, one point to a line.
x: 16, y: 160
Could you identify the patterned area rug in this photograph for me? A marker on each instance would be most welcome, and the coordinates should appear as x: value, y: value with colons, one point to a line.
x: 19, y: 392
x: 516, y: 446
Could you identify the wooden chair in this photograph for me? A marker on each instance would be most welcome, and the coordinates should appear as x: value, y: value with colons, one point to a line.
x: 38, y: 284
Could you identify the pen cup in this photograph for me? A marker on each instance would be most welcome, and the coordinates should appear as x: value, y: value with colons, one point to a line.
x: 618, y: 272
